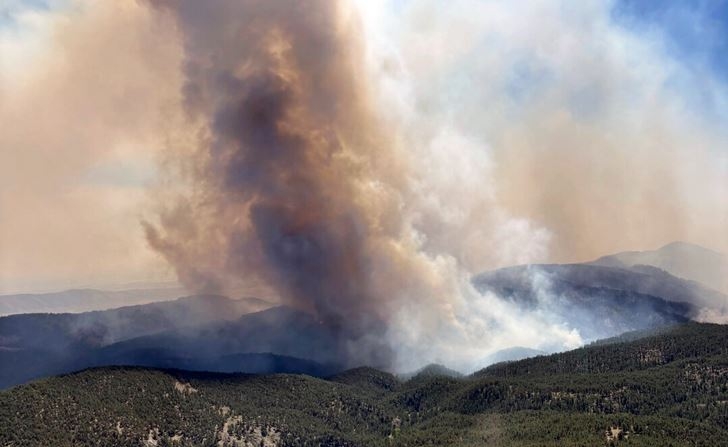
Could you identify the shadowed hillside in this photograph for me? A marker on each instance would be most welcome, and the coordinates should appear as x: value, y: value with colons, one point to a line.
x: 602, y: 301
x: 215, y: 333
x: 668, y: 387
x: 37, y: 345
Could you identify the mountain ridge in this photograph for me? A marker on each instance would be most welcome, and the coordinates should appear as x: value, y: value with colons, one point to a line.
x: 681, y: 259
x: 666, y: 388
x: 34, y: 345
x: 84, y: 300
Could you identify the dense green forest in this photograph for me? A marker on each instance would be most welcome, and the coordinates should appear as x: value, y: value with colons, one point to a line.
x: 668, y: 388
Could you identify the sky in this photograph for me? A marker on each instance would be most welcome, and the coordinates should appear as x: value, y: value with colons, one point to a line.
x: 540, y: 131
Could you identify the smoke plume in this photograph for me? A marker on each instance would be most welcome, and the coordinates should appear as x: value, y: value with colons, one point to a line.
x: 360, y: 160
x: 342, y: 174
x: 292, y: 176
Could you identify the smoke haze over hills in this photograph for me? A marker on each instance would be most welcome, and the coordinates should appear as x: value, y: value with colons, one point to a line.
x: 352, y: 159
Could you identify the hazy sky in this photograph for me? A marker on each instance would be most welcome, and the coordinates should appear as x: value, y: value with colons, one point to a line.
x: 542, y: 130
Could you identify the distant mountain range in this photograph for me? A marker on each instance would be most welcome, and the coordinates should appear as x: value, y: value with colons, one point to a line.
x: 214, y: 333
x: 84, y: 300
x: 279, y: 330
x: 37, y: 345
x: 681, y: 259
x: 612, y: 295
x: 667, y: 388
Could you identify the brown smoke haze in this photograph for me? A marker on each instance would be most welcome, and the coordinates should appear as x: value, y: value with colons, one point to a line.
x: 82, y: 113
x: 292, y: 176
x: 360, y: 164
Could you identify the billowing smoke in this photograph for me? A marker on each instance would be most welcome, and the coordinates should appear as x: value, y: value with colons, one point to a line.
x: 338, y: 172
x: 296, y: 180
x: 363, y: 161
x: 292, y: 175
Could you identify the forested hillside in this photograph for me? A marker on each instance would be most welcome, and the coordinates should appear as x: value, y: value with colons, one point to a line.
x: 666, y: 388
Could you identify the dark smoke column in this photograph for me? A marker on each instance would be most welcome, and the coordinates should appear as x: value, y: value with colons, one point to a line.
x: 287, y: 181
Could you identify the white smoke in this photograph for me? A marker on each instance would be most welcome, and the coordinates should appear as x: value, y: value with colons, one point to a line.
x: 531, y: 127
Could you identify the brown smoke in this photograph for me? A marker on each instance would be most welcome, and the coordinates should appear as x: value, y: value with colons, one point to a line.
x: 87, y: 100
x: 491, y: 135
x: 287, y: 182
